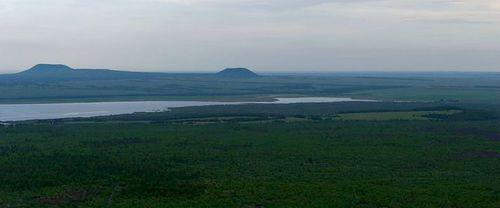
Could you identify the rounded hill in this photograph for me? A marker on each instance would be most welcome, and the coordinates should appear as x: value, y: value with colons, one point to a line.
x: 44, y: 68
x: 237, y: 73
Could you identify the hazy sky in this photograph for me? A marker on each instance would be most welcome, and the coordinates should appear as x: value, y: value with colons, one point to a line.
x: 265, y: 35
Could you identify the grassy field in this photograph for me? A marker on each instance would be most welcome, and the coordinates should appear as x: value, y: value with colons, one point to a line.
x: 473, y: 88
x: 446, y: 94
x: 297, y: 164
x: 168, y: 88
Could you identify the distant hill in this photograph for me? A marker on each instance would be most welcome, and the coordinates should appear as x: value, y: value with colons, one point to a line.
x: 54, y: 73
x: 48, y: 68
x: 50, y: 73
x: 237, y: 73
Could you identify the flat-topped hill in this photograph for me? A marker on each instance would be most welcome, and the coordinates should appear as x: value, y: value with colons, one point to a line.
x: 49, y: 68
x: 237, y: 73
x: 49, y: 73
x: 52, y: 73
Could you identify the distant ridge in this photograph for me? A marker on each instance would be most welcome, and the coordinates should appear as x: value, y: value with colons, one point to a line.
x: 237, y: 73
x: 54, y: 73
x: 49, y: 68
x: 51, y: 73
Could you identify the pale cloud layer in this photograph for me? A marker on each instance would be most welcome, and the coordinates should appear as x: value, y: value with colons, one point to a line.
x: 275, y: 35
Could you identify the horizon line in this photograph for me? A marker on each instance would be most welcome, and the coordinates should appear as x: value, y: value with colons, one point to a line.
x: 292, y: 71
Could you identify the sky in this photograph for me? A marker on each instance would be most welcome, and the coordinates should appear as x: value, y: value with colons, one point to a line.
x: 264, y: 35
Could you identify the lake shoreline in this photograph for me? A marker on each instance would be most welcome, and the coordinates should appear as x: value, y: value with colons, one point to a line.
x: 43, y: 111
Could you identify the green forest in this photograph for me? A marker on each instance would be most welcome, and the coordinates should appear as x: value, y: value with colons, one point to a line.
x: 303, y: 158
x: 425, y: 142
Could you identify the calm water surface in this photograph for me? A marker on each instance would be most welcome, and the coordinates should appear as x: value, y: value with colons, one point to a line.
x: 19, y: 112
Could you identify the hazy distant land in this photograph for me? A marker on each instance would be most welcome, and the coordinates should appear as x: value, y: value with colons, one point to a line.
x: 46, y: 83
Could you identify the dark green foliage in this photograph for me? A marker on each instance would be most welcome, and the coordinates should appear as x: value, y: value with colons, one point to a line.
x: 175, y: 185
x: 264, y: 111
x: 299, y: 164
x: 468, y: 115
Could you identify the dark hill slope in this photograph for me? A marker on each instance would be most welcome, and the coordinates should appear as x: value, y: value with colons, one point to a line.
x: 52, y: 73
x: 237, y: 73
x: 48, y: 69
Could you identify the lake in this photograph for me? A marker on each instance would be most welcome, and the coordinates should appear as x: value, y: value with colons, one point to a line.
x: 20, y: 112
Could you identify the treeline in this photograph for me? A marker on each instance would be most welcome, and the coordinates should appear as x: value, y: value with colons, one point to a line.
x: 269, y: 110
